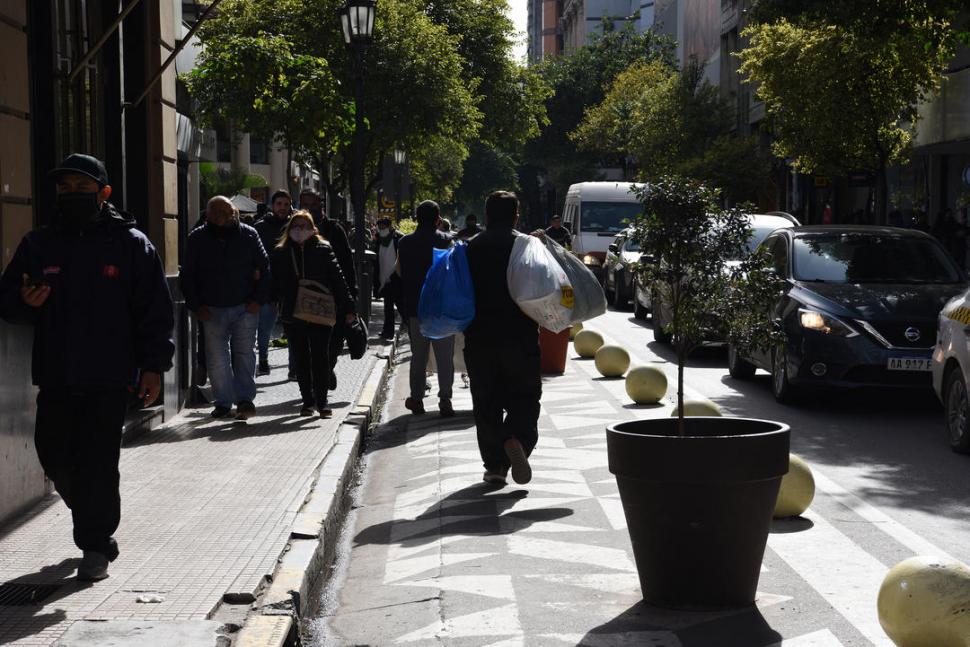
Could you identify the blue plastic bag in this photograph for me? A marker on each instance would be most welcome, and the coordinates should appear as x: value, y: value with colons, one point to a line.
x: 447, y: 303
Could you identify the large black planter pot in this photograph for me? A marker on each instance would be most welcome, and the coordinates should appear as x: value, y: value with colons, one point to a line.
x: 698, y: 507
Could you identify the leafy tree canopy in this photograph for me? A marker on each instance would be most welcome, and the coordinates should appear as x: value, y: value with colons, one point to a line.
x: 578, y: 81
x: 673, y: 121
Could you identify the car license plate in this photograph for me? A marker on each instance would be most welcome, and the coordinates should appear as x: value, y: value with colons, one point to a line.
x: 910, y: 364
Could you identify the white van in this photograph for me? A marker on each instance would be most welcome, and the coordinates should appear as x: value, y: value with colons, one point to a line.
x: 595, y: 212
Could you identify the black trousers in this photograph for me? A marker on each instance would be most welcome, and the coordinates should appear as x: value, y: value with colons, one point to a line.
x: 506, y: 387
x: 388, y: 329
x: 310, y: 348
x: 78, y: 439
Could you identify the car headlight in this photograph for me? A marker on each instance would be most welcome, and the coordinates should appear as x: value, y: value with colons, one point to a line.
x: 815, y: 320
x: 592, y: 261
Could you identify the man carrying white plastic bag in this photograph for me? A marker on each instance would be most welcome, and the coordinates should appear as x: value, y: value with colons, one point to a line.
x: 539, y: 286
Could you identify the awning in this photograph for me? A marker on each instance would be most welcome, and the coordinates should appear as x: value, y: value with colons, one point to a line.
x: 244, y: 203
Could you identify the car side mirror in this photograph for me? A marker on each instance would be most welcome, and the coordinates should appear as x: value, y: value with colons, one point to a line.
x: 613, y: 248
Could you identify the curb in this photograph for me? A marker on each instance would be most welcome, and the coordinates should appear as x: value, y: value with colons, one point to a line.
x: 276, y: 613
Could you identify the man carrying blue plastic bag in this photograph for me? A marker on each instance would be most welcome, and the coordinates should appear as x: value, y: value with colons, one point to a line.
x: 416, y: 256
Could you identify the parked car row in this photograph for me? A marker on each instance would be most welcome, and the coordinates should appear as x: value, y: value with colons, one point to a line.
x: 861, y: 306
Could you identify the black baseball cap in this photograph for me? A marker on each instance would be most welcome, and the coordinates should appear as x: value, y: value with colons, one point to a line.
x: 83, y: 165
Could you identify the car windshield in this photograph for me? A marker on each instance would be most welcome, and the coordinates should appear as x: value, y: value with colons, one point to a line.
x: 871, y: 258
x: 631, y: 246
x: 608, y: 217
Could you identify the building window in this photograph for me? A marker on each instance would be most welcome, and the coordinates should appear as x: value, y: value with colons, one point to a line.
x: 79, y: 114
x: 258, y: 151
x: 223, y: 143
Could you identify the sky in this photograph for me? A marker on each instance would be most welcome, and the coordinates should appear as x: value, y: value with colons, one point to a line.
x: 519, y: 11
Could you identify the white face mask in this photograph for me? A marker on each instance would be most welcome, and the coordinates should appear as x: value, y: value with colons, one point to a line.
x: 383, y: 233
x: 300, y: 236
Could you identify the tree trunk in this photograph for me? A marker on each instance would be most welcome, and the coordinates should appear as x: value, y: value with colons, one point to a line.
x: 882, y: 193
x: 681, y: 360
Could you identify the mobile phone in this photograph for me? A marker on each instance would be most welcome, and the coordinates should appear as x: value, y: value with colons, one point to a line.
x: 35, y: 283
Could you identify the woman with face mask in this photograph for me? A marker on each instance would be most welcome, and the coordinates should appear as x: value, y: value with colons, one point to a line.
x: 303, y: 257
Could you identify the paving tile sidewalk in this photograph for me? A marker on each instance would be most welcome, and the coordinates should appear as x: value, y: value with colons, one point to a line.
x: 207, y: 508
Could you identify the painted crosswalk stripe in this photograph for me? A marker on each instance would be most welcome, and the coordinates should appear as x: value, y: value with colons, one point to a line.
x: 844, y: 574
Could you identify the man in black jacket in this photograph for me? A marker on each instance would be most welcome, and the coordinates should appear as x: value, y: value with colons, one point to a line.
x: 337, y: 237
x: 415, y: 255
x: 471, y: 228
x: 385, y: 247
x: 225, y: 280
x: 501, y: 351
x: 93, y: 288
x: 270, y: 228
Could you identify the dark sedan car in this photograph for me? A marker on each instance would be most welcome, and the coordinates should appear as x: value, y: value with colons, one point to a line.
x: 859, y: 308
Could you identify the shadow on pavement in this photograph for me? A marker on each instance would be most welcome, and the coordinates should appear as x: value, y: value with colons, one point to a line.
x: 643, y: 625
x: 478, y: 510
x: 25, y: 620
x: 283, y: 417
x: 790, y: 525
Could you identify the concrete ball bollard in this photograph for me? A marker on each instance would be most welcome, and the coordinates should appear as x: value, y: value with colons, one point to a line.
x: 698, y: 408
x: 612, y: 361
x: 925, y: 602
x: 646, y: 384
x: 797, y: 489
x: 574, y: 330
x: 587, y: 342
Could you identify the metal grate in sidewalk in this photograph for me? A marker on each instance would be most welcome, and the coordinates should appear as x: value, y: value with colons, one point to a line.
x: 22, y: 595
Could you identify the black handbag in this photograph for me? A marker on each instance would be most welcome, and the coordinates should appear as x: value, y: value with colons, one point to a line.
x: 356, y: 334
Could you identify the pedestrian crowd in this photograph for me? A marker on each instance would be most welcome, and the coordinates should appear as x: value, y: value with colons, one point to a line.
x: 94, y: 289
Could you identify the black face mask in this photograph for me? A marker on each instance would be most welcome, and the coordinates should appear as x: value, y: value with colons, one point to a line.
x: 76, y: 211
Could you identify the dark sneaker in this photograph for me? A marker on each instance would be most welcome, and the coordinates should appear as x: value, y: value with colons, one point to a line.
x: 521, y: 470
x: 221, y: 412
x: 93, y: 567
x: 445, y: 410
x: 495, y: 477
x: 263, y: 368
x: 201, y: 375
x: 245, y: 410
x: 326, y: 412
x: 333, y: 380
x: 414, y: 406
x: 307, y: 410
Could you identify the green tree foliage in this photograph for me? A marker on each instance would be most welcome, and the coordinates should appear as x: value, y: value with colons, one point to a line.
x: 673, y: 121
x: 690, y: 237
x: 579, y: 80
x: 415, y: 92
x: 228, y: 182
x: 841, y: 82
x: 486, y: 170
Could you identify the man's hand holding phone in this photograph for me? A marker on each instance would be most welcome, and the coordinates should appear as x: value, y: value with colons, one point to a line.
x: 34, y: 292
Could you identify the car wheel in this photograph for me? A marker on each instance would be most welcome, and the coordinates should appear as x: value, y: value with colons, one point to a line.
x: 781, y: 387
x: 739, y: 368
x: 659, y: 332
x: 957, y: 412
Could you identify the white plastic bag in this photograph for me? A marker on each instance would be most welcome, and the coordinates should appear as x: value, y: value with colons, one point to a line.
x: 590, y: 299
x: 538, y: 284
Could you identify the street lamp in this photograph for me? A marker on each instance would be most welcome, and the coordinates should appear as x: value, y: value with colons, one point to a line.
x: 400, y: 157
x: 357, y: 20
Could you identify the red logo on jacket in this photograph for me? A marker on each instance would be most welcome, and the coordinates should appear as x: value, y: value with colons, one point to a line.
x: 111, y: 271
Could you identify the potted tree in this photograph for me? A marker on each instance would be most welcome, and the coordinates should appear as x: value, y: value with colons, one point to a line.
x: 698, y: 493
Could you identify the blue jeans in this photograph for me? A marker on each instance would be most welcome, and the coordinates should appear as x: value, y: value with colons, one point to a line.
x: 230, y: 340
x: 267, y: 320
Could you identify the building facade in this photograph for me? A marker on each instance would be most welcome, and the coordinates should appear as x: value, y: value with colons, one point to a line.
x: 545, y: 37
x: 89, y: 76
x: 581, y: 19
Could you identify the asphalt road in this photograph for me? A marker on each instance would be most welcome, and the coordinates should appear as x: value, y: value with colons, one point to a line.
x: 888, y: 448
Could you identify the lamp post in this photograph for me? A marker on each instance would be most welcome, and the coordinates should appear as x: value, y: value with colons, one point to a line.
x: 357, y: 20
x: 400, y: 157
